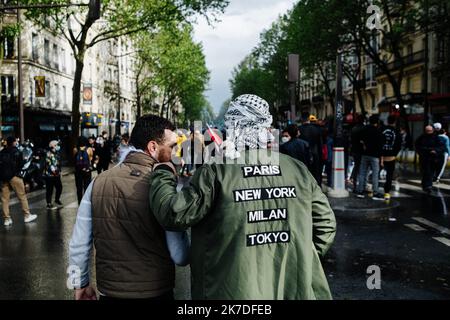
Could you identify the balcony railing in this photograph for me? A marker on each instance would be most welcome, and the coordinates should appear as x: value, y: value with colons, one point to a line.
x: 414, y: 58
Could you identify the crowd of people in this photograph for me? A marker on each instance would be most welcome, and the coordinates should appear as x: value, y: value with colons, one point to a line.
x: 259, y: 229
x: 241, y: 215
x: 371, y: 147
x: 91, y: 155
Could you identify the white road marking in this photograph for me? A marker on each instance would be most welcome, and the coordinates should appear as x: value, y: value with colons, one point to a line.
x: 73, y: 205
x: 409, y: 187
x: 415, y: 227
x: 441, y: 185
x: 444, y: 241
x: 432, y: 225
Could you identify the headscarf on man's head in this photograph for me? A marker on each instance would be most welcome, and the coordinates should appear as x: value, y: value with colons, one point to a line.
x: 247, y: 122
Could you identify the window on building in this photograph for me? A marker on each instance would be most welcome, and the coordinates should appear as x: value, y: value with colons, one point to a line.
x: 57, y: 95
x: 409, y: 50
x: 384, y: 90
x: 64, y: 95
x: 47, y: 52
x: 35, y: 46
x: 63, y: 60
x: 8, y: 88
x: 408, y: 84
x: 55, y: 57
x: 8, y: 48
x: 90, y: 72
x: 48, y: 92
x: 71, y: 65
x: 31, y: 91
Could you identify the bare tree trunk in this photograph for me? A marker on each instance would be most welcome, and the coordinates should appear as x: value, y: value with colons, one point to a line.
x: 76, y: 97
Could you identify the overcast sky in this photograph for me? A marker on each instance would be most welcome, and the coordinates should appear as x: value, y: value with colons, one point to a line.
x: 226, y: 43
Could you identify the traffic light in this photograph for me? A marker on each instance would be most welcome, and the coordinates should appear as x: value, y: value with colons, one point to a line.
x: 94, y: 9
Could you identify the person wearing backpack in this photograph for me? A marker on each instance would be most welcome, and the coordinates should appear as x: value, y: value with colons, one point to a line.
x: 392, y: 144
x: 83, y: 154
x: 10, y: 166
x: 53, y: 175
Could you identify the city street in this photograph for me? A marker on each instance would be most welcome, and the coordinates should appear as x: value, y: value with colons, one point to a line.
x: 412, y: 253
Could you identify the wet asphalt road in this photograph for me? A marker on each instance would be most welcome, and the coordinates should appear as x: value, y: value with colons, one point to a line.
x: 413, y: 253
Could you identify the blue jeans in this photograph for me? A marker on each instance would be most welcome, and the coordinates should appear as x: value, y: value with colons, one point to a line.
x: 374, y: 164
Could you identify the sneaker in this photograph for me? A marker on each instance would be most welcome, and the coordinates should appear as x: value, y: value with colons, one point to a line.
x: 51, y: 207
x: 8, y: 222
x: 428, y: 190
x: 30, y: 218
x: 392, y: 219
x: 378, y: 196
x: 387, y: 196
x: 360, y: 195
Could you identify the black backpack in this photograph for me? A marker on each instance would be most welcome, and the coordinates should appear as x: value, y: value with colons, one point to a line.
x: 7, y: 166
x: 82, y: 162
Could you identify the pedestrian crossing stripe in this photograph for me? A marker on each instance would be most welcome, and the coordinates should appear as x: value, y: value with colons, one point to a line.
x: 443, y: 241
x: 415, y: 227
x: 432, y: 225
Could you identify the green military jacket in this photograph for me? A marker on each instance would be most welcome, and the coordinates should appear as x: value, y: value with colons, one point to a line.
x: 258, y: 228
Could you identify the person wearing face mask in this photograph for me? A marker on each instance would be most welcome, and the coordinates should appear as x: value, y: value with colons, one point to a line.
x: 52, y: 173
x: 260, y: 222
x: 134, y: 256
x: 429, y: 147
x: 295, y: 147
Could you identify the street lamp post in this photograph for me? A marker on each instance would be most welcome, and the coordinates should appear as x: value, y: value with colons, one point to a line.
x: 19, y: 82
x: 119, y: 112
x: 426, y: 106
x: 339, y: 190
x: 293, y: 77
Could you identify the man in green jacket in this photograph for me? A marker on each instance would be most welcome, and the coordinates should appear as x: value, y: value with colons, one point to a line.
x: 260, y: 222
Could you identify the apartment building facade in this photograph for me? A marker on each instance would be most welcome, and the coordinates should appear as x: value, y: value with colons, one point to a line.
x: 48, y: 68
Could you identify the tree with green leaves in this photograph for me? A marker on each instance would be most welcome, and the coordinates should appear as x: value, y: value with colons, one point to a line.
x: 119, y: 18
x: 173, y: 68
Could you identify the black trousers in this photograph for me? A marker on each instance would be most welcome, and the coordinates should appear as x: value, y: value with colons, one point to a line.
x: 389, y: 166
x: 428, y: 168
x: 82, y: 181
x: 357, y: 159
x: 165, y: 297
x: 102, y: 166
x: 50, y: 183
x: 316, y: 168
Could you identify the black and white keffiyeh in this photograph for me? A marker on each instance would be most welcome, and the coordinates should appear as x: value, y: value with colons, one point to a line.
x: 247, y: 122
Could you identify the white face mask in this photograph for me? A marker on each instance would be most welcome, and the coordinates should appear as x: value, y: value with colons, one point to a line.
x: 285, y: 139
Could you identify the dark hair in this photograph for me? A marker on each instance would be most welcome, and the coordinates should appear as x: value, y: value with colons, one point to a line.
x: 391, y: 119
x: 292, y: 129
x: 82, y: 142
x: 305, y: 116
x: 10, y: 141
x: 374, y: 119
x: 360, y: 119
x: 149, y: 128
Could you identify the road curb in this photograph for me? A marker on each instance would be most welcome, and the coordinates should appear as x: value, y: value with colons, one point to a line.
x: 366, y: 209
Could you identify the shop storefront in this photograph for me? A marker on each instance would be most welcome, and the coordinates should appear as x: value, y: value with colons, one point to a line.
x: 91, y: 124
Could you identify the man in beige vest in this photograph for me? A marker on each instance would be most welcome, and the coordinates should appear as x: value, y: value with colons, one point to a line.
x: 134, y: 255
